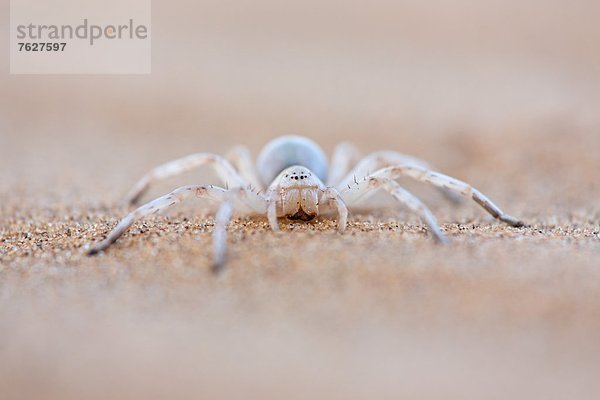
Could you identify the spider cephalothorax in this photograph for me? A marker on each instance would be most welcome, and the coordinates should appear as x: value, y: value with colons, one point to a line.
x: 291, y: 179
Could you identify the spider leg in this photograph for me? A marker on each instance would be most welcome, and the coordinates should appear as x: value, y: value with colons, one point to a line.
x: 345, y: 155
x: 272, y: 213
x: 156, y: 206
x: 255, y: 202
x: 444, y: 181
x: 241, y: 159
x: 222, y: 219
x: 332, y: 195
x: 222, y: 167
x: 381, y: 159
x: 371, y: 184
x: 249, y: 199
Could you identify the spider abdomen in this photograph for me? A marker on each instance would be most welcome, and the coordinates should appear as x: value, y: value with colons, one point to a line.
x: 287, y: 151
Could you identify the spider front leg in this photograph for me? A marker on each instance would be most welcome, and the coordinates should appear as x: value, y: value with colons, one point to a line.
x: 381, y: 159
x: 222, y: 219
x: 375, y: 161
x: 222, y: 167
x: 250, y: 200
x: 255, y: 202
x: 353, y: 194
x: 446, y: 182
x: 156, y: 206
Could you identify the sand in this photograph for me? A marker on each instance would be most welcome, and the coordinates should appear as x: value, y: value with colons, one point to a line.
x: 379, y: 310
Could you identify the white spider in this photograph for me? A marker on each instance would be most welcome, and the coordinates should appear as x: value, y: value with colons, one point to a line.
x: 289, y: 181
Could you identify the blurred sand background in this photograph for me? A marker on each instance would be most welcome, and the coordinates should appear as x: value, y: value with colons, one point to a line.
x: 502, y: 94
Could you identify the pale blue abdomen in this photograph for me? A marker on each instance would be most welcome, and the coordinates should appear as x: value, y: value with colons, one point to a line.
x: 287, y: 151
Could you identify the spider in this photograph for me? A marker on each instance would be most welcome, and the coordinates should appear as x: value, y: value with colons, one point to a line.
x: 291, y: 179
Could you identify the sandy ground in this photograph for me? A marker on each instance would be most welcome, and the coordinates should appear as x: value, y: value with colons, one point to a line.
x: 377, y: 312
